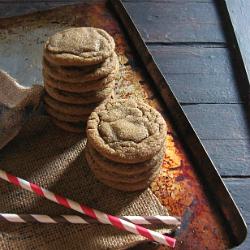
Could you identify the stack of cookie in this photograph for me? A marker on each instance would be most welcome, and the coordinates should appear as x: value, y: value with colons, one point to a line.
x: 79, y: 70
x: 126, y: 144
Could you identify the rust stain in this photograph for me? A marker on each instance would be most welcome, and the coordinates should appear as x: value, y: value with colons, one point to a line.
x: 178, y: 186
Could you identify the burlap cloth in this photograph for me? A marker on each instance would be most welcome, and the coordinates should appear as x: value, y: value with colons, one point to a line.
x: 17, y: 104
x: 54, y: 159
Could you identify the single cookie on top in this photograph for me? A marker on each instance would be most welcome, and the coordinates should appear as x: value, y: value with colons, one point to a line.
x: 79, y: 46
x: 126, y: 131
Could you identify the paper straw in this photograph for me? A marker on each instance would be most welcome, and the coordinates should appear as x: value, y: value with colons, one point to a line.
x: 76, y: 219
x: 100, y: 216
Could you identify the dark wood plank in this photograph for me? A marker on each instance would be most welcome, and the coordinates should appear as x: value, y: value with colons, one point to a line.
x: 172, y: 22
x: 218, y: 121
x: 240, y: 190
x: 192, y: 60
x: 231, y: 157
x: 205, y: 88
x: 200, y: 74
x: 240, y: 19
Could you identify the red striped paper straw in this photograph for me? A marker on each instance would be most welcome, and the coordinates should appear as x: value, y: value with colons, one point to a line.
x: 83, y: 219
x: 100, y: 216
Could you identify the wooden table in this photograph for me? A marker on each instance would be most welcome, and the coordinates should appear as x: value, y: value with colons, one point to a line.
x: 193, y: 45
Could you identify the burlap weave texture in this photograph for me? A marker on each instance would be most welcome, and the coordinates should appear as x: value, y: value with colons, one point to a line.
x: 54, y: 159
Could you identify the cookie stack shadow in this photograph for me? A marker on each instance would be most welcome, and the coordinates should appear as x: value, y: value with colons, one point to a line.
x: 126, y: 144
x: 80, y: 67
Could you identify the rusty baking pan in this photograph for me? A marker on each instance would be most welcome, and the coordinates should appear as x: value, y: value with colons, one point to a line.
x: 218, y: 193
x: 189, y: 184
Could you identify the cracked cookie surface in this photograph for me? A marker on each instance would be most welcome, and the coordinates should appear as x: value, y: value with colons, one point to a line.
x: 79, y: 46
x: 126, y: 131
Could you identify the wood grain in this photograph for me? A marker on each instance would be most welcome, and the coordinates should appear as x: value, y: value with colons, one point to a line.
x: 204, y: 88
x: 180, y: 21
x: 218, y: 121
x: 231, y: 157
x: 200, y: 74
x: 192, y: 60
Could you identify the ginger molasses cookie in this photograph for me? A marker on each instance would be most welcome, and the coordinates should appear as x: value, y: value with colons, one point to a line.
x: 113, y: 176
x: 65, y: 117
x: 70, y: 127
x: 71, y: 109
x: 81, y: 98
x: 80, y: 87
x: 79, y: 46
x: 125, y: 169
x: 126, y: 131
x: 80, y: 74
x: 123, y: 186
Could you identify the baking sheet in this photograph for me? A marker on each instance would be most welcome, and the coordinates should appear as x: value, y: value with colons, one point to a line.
x: 209, y: 222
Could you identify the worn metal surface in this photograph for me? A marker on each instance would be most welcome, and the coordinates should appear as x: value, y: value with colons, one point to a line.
x: 180, y: 186
x: 215, y: 188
